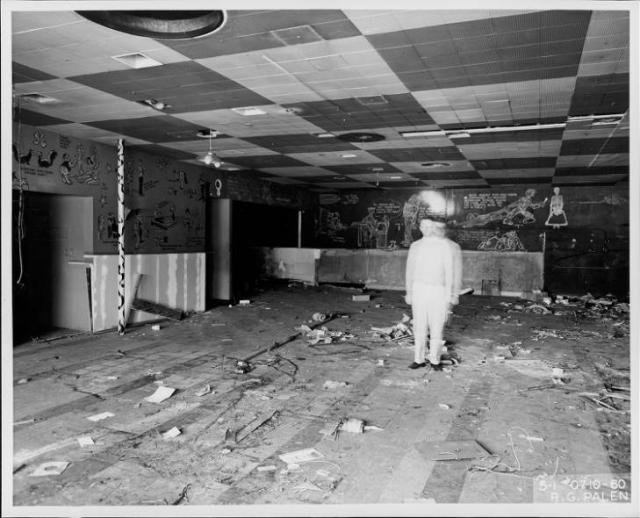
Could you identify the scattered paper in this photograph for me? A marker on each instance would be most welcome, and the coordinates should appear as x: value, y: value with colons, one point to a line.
x: 558, y: 373
x: 85, y: 441
x: 373, y: 427
x: 49, y: 468
x: 307, y: 486
x: 160, y: 395
x: 334, y: 384
x: 444, y: 406
x: 204, y: 390
x: 266, y: 468
x: 112, y: 377
x: 170, y: 434
x: 100, y: 417
x: 298, y: 456
x: 528, y: 437
x: 22, y: 381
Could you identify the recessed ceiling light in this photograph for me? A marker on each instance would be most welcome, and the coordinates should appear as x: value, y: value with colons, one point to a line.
x: 137, y: 60
x: 323, y: 135
x: 156, y: 105
x: 348, y: 155
x: 431, y: 133
x: 40, y: 98
x: 248, y: 110
x: 395, y: 178
x: 458, y: 134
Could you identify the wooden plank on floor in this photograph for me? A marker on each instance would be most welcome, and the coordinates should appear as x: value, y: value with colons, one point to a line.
x: 156, y: 309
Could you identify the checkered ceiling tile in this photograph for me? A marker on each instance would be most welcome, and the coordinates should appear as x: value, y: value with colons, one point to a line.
x: 482, y: 97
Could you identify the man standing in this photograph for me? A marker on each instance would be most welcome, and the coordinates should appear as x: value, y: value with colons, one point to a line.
x: 433, y: 280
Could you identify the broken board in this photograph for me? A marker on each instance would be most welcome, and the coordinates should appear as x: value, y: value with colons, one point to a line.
x: 451, y: 450
x: 156, y: 309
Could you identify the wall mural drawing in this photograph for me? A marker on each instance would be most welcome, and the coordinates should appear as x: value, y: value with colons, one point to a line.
x: 557, y: 217
x: 410, y: 218
x: 516, y: 213
x: 508, y: 242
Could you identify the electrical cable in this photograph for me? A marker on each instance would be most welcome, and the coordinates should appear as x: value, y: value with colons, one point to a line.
x: 20, y: 217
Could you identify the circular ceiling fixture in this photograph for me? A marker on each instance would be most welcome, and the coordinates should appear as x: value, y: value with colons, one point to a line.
x: 360, y: 137
x: 162, y: 25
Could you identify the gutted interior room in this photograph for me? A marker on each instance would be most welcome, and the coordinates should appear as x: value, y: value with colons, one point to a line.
x: 268, y: 259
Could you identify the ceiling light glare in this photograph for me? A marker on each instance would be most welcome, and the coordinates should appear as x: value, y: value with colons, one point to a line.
x: 137, y: 60
x: 248, y: 110
x: 430, y: 133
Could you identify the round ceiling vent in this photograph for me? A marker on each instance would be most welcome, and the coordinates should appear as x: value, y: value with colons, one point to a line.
x: 360, y: 137
x: 162, y: 25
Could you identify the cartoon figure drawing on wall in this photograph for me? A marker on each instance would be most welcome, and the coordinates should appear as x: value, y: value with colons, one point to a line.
x: 65, y: 168
x: 89, y: 166
x: 162, y: 163
x: 162, y: 221
x: 188, y: 223
x: 517, y: 213
x: 367, y: 229
x: 509, y: 242
x: 46, y: 161
x: 522, y: 208
x: 39, y: 139
x: 181, y: 178
x: 382, y: 233
x: 410, y: 212
x: 557, y: 217
x: 112, y: 226
x: 25, y: 158
x: 141, y: 171
x: 160, y: 238
x: 139, y: 229
x: 102, y: 228
x: 202, y: 182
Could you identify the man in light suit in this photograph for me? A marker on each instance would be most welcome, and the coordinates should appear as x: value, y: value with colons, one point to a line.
x: 433, y: 281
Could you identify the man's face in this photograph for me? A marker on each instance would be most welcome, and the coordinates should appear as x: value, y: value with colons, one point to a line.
x: 426, y: 226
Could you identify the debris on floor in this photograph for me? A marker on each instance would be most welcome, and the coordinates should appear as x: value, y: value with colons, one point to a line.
x: 330, y: 384
x: 451, y: 450
x: 85, y: 441
x: 402, y: 329
x: 161, y: 394
x: 242, y: 367
x: 299, y: 456
x: 323, y: 335
x: 204, y: 391
x: 50, y: 468
x: 100, y: 417
x: 173, y: 432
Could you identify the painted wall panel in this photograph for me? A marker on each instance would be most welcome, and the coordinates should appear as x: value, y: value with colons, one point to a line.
x: 290, y: 263
x: 517, y: 273
x: 156, y: 285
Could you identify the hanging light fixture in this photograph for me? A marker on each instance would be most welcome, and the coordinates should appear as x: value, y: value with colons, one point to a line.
x: 211, y: 158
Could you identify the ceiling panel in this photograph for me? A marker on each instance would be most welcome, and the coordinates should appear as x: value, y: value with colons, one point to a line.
x: 502, y: 75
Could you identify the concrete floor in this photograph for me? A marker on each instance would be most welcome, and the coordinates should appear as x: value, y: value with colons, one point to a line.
x: 500, y: 396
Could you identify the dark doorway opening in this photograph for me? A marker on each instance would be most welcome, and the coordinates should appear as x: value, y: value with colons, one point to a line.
x: 256, y: 226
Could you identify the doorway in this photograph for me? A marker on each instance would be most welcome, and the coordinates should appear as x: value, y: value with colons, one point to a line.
x: 50, y: 283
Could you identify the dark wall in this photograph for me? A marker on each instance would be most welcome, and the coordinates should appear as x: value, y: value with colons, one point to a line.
x: 584, y: 231
x: 32, y: 312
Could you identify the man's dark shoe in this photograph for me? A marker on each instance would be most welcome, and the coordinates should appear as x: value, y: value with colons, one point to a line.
x: 436, y: 366
x: 416, y: 365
